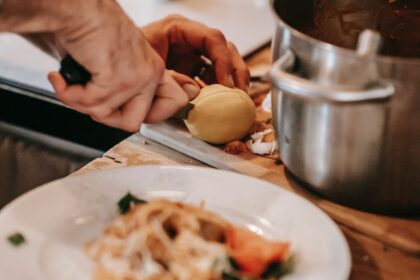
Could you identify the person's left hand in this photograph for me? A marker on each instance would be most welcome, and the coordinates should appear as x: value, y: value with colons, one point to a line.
x: 182, y: 43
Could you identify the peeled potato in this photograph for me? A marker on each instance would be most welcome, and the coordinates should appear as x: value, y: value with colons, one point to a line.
x: 221, y: 114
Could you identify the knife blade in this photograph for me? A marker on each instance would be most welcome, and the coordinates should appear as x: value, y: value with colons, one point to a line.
x: 183, y: 113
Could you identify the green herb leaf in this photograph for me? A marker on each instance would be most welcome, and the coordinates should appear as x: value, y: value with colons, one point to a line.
x: 233, y: 263
x: 276, y: 269
x: 16, y: 239
x: 228, y: 276
x: 232, y: 271
x: 128, y: 201
x: 273, y: 270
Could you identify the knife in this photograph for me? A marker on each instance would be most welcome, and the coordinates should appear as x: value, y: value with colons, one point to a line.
x: 75, y: 74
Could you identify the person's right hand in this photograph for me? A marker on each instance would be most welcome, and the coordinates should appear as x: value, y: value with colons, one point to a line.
x: 129, y: 83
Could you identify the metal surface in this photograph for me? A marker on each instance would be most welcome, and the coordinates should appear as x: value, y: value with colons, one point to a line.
x: 364, y: 152
x: 316, y: 91
x: 182, y: 114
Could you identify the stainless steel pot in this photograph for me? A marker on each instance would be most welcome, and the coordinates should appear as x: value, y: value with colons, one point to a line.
x: 355, y: 135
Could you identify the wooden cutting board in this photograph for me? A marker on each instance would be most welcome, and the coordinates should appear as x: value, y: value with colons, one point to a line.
x: 399, y: 232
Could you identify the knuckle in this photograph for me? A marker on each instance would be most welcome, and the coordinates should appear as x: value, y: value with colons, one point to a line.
x: 232, y: 46
x: 132, y: 126
x: 156, y: 70
x: 159, y: 67
x: 151, y: 76
x: 99, y: 113
x: 226, y: 64
x: 64, y: 98
x: 96, y: 116
x: 172, y: 73
x: 89, y: 100
x: 129, y: 81
x: 174, y: 18
x: 244, y: 72
x: 217, y: 34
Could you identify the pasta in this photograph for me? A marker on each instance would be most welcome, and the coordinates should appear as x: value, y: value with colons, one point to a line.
x: 169, y: 241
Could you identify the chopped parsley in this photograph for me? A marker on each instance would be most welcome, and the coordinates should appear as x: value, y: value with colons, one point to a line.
x: 229, y: 276
x: 273, y: 270
x: 234, y: 264
x: 276, y: 269
x: 16, y: 239
x: 128, y: 201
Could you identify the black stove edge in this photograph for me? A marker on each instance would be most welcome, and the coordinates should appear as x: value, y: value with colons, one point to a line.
x: 29, y: 90
x: 30, y: 108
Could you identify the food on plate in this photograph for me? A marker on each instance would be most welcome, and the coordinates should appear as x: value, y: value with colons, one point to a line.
x: 221, y: 114
x: 171, y: 240
x: 16, y: 239
x: 127, y: 201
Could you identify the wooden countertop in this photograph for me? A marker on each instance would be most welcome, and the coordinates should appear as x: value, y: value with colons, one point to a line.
x: 372, y: 259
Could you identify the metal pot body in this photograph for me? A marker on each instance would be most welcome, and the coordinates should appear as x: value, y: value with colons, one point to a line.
x: 358, y: 148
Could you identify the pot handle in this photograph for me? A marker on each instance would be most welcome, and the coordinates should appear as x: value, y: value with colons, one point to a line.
x: 282, y: 77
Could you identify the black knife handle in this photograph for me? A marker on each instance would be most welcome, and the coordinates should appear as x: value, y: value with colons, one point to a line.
x: 73, y: 73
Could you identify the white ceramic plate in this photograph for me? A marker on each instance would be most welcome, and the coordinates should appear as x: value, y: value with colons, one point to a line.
x: 58, y: 218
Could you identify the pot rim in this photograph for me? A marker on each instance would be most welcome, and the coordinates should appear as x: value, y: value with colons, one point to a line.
x: 339, y: 50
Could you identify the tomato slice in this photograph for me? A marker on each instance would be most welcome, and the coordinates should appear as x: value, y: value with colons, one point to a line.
x: 252, y: 252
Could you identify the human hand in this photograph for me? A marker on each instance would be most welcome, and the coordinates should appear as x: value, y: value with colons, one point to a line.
x: 129, y: 84
x: 182, y: 43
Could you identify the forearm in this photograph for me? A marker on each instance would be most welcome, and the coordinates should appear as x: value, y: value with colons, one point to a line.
x: 23, y: 16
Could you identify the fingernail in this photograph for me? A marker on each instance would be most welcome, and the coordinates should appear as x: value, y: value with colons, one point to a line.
x: 191, y: 89
x: 246, y: 89
x: 230, y: 81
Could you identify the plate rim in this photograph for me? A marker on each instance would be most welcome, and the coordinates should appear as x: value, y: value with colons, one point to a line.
x: 44, y: 187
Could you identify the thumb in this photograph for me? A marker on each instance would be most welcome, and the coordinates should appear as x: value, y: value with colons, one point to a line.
x: 190, y: 86
x: 169, y: 99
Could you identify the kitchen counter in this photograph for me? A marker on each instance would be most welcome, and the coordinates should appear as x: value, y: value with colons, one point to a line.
x: 389, y: 249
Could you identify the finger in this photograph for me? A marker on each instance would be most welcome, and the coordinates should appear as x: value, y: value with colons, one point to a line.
x: 58, y: 83
x: 187, y: 64
x: 131, y: 115
x: 211, y: 42
x: 68, y: 96
x: 61, y: 89
x: 190, y: 87
x: 241, y: 74
x: 76, y: 95
x: 92, y: 100
x: 169, y: 99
